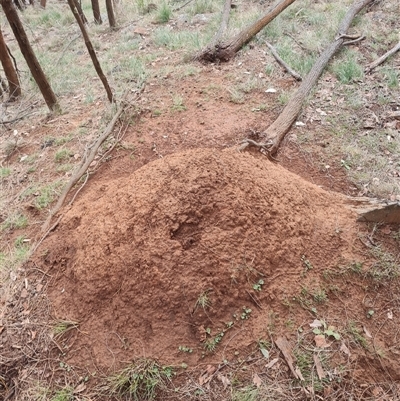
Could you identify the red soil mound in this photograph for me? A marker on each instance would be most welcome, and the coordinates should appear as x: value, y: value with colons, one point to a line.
x: 147, y: 263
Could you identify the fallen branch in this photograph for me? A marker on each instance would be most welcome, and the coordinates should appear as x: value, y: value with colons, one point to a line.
x: 351, y: 42
x: 381, y: 59
x: 225, y: 51
x: 83, y: 167
x: 275, y: 133
x: 293, y: 73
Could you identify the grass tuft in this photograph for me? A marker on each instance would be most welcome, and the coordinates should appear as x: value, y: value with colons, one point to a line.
x: 140, y: 381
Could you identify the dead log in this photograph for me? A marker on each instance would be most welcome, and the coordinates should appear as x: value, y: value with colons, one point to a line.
x: 223, y: 26
x: 279, y: 128
x: 225, y: 51
x: 381, y: 59
x: 374, y: 210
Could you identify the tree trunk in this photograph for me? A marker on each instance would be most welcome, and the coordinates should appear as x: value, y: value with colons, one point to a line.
x: 14, y: 88
x: 277, y: 131
x: 29, y: 55
x: 110, y: 14
x: 96, y: 12
x: 91, y: 51
x: 80, y: 11
x: 225, y: 51
x: 43, y: 3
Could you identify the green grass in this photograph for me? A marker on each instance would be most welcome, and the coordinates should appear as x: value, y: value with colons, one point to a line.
x: 164, y: 13
x: 60, y: 327
x: 63, y: 155
x: 347, y: 69
x: 4, y: 172
x: 14, y: 221
x: 64, y: 394
x: 140, y: 381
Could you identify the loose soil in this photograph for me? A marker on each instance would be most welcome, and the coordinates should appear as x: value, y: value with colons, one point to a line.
x: 131, y: 259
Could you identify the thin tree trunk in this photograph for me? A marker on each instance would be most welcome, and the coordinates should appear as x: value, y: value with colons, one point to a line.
x: 225, y: 51
x: 278, y: 129
x: 29, y: 55
x: 14, y: 87
x: 43, y: 3
x: 96, y: 12
x: 110, y: 14
x: 91, y: 51
x: 80, y: 11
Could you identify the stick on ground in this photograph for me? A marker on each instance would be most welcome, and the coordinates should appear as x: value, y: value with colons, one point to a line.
x: 292, y: 72
x: 383, y: 58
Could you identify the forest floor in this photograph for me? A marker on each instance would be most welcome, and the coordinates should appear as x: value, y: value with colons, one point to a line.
x: 180, y: 265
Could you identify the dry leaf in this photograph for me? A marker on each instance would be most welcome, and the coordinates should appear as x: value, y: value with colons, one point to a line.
x: 24, y: 293
x: 344, y: 349
x: 390, y: 315
x: 367, y: 332
x: 272, y: 363
x: 298, y: 373
x: 225, y: 381
x: 284, y: 347
x: 320, y: 371
x: 79, y: 388
x: 257, y: 380
x: 316, y: 323
x: 320, y: 341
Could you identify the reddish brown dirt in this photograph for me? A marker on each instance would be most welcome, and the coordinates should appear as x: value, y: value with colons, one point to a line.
x: 131, y: 258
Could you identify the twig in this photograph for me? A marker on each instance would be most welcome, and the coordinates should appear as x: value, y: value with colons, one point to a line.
x: 293, y: 73
x: 184, y: 5
x: 85, y: 164
x: 351, y: 42
x: 255, y: 300
x: 47, y: 233
x: 381, y: 59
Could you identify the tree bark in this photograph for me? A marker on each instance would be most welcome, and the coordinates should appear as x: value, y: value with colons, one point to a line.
x: 43, y: 3
x: 30, y: 58
x: 96, y: 12
x: 91, y: 51
x: 14, y: 88
x: 110, y: 14
x: 277, y: 131
x: 80, y: 11
x: 225, y: 51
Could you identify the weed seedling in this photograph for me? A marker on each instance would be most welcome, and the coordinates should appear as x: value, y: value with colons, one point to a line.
x: 258, y: 285
x: 183, y: 348
x: 246, y: 313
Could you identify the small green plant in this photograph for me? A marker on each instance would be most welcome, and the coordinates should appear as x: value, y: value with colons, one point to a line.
x: 177, y: 104
x: 4, y: 172
x: 246, y: 313
x: 320, y: 327
x: 140, y: 381
x: 258, y: 285
x: 62, y: 155
x: 320, y: 296
x: 203, y: 301
x: 348, y: 70
x: 386, y: 266
x: 392, y: 77
x: 307, y: 264
x: 245, y: 394
x: 183, y: 348
x: 164, y: 13
x: 237, y: 95
x: 60, y: 327
x: 283, y: 98
x: 356, y: 334
x: 64, y: 394
x: 14, y: 221
x: 370, y: 313
x: 211, y: 343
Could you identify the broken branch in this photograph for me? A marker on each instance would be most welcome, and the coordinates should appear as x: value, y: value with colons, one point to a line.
x: 292, y: 72
x: 383, y: 58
